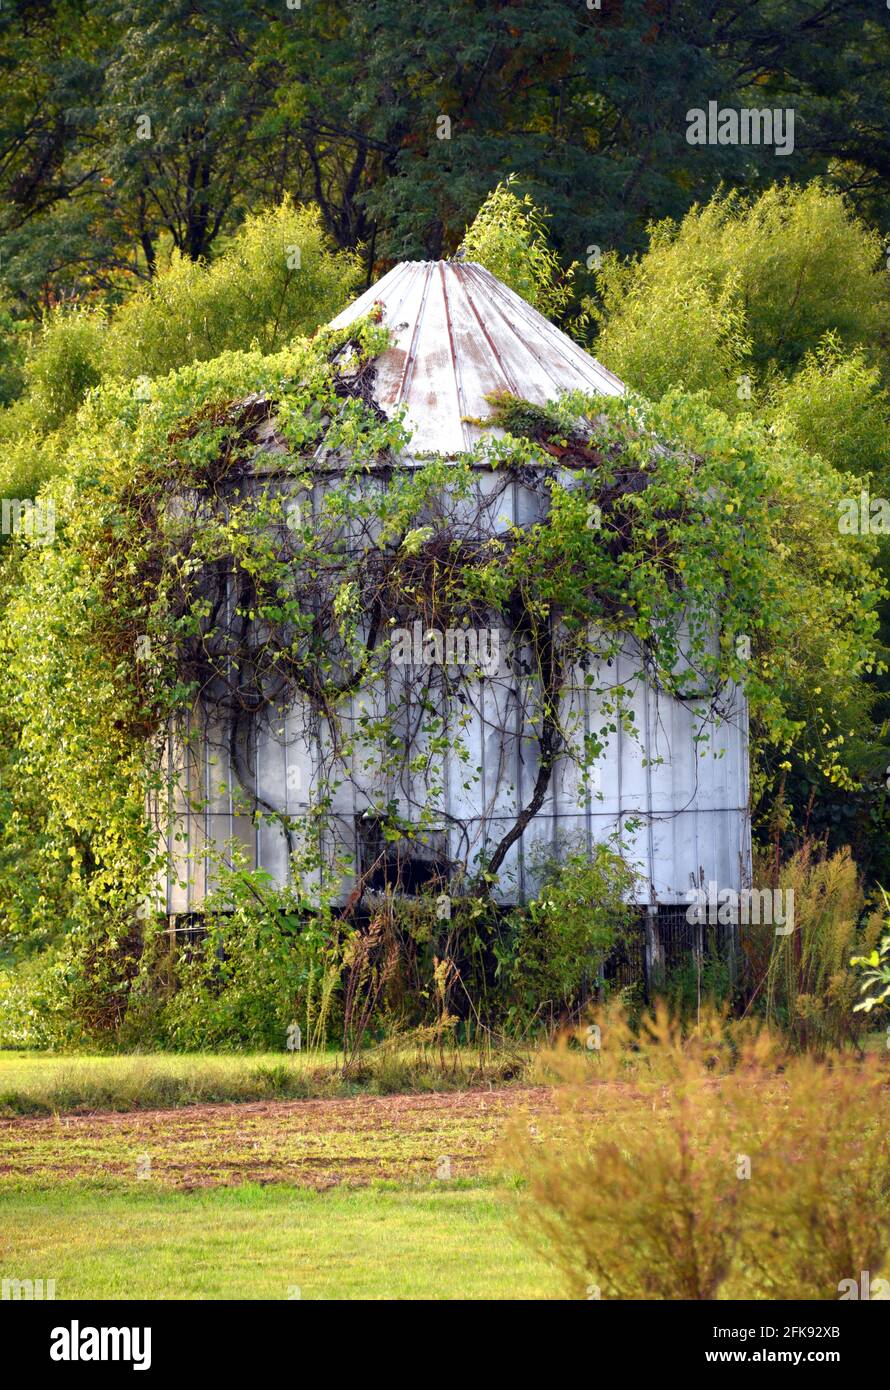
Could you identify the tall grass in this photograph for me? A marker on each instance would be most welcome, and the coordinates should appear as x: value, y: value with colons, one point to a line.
x: 59, y: 1085
x: 808, y: 986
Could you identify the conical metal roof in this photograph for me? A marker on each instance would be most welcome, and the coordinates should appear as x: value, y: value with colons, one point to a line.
x: 459, y: 334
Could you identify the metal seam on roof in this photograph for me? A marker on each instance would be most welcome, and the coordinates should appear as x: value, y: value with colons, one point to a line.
x: 398, y: 273
x: 411, y: 357
x: 501, y: 297
x: 505, y: 373
x: 455, y: 362
x: 568, y: 349
x: 526, y: 341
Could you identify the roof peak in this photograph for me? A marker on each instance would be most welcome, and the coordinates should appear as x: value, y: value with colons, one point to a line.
x: 458, y: 335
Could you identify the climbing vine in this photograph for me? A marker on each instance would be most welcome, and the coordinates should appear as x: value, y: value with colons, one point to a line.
x: 250, y: 545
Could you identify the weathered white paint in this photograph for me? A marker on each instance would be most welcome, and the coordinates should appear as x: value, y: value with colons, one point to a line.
x: 458, y: 335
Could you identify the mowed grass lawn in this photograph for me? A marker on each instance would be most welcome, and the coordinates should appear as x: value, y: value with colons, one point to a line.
x: 272, y: 1242
x: 358, y: 1195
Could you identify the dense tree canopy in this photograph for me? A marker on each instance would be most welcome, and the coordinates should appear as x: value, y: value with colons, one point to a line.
x: 129, y: 129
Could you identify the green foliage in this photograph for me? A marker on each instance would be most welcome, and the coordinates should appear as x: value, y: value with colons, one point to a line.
x: 63, y: 365
x: 663, y: 329
x: 55, y: 221
x: 834, y: 405
x: 731, y: 471
x: 509, y: 237
x: 874, y: 977
x: 743, y: 289
x: 264, y: 964
x: 342, y: 104
x: 183, y: 128
x: 810, y: 990
x: 557, y: 945
x: 706, y: 524
x: 35, y: 1009
x: 774, y: 308
x: 12, y: 355
x: 277, y: 279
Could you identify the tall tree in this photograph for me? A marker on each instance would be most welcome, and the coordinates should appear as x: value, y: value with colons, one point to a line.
x: 133, y: 126
x: 179, y: 115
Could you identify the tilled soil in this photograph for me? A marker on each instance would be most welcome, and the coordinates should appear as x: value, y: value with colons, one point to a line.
x: 309, y: 1143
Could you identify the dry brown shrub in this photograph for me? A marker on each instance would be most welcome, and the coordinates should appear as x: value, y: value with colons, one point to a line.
x: 707, y: 1165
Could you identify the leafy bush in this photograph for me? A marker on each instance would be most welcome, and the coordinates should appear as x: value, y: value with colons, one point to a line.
x: 64, y: 363
x: 835, y: 406
x: 509, y: 237
x: 38, y: 1001
x: 278, y: 278
x: 739, y: 287
x: 874, y: 977
x: 558, y: 942
x: 264, y: 964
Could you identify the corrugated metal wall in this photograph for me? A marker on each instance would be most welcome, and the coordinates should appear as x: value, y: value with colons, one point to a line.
x: 677, y: 801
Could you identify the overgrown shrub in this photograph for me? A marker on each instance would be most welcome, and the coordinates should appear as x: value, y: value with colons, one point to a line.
x: 509, y: 237
x: 64, y: 363
x: 278, y: 278
x: 742, y: 287
x: 262, y: 964
x: 554, y: 948
x: 709, y: 1170
x: 817, y: 1205
x: 39, y: 1001
x: 834, y: 405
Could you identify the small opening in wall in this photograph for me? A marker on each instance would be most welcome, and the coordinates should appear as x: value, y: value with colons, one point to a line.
x: 407, y: 865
